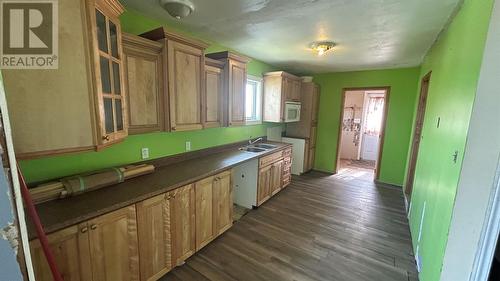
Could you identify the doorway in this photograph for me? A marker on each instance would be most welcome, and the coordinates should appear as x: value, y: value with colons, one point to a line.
x: 417, y: 135
x: 361, y: 131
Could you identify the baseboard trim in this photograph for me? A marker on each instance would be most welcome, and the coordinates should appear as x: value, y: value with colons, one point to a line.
x: 389, y: 185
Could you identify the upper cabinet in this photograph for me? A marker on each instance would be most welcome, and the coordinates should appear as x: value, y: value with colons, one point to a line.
x: 214, y: 93
x: 143, y: 61
x: 107, y: 64
x: 185, y: 64
x: 235, y: 80
x: 80, y: 105
x: 279, y: 87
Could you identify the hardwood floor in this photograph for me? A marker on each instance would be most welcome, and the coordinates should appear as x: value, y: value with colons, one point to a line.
x: 321, y: 227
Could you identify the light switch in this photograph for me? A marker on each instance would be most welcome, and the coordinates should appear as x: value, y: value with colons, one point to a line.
x: 188, y: 146
x: 145, y: 153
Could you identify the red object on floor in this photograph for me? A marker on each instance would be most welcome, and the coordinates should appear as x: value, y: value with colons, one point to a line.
x: 39, y: 228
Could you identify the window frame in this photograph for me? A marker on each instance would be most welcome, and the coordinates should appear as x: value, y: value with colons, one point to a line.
x: 257, y: 117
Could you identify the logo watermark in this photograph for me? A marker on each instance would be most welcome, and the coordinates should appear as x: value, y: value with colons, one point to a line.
x: 29, y: 34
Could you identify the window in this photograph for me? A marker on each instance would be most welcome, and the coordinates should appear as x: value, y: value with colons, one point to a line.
x: 253, y: 100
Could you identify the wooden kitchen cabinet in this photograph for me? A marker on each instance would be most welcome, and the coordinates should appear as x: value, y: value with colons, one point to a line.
x: 276, y: 177
x: 287, y: 167
x: 235, y: 81
x: 307, y: 126
x: 144, y: 78
x: 183, y: 223
x: 184, y: 61
x: 113, y: 246
x: 111, y: 106
x: 279, y: 87
x: 223, y: 202
x: 264, y: 184
x: 79, y: 106
x: 154, y: 234
x: 214, y: 93
x: 204, y: 211
x: 104, y: 248
x: 70, y: 247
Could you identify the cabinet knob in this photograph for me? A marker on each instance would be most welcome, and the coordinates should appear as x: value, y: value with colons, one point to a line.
x: 173, y: 129
x: 93, y: 227
x: 83, y: 230
x: 106, y: 138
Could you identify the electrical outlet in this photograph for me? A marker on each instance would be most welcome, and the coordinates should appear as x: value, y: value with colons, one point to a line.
x: 145, y: 153
x: 188, y: 145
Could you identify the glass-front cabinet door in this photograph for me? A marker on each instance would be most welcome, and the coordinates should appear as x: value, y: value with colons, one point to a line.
x: 108, y: 67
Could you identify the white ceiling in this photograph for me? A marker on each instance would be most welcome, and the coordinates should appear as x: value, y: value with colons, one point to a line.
x: 371, y: 34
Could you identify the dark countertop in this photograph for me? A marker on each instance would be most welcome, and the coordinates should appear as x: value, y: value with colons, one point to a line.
x: 59, y: 214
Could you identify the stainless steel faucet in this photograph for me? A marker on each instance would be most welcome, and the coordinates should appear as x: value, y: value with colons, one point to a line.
x: 250, y: 142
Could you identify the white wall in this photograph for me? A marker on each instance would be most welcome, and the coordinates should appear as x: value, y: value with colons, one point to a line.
x: 480, y: 164
x: 348, y: 150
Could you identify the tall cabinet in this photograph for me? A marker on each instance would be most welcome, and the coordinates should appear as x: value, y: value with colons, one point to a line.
x: 81, y: 105
x: 308, y: 124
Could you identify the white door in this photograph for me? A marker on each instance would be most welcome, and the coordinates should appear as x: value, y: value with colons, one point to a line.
x: 369, y: 150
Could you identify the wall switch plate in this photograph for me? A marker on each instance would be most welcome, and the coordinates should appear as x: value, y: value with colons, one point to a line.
x: 145, y: 153
x: 188, y: 145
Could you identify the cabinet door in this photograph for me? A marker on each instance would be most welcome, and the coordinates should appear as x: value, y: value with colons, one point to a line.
x: 264, y: 184
x: 144, y: 80
x: 315, y: 105
x: 113, y: 246
x: 313, y: 136
x: 276, y: 177
x: 108, y: 58
x: 70, y: 247
x: 296, y: 90
x: 204, y: 212
x: 183, y: 223
x: 223, y: 202
x: 186, y: 66
x: 312, y: 156
x: 153, y: 229
x: 237, y: 88
x: 213, y: 97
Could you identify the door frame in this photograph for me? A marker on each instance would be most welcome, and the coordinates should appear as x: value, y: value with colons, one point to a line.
x: 387, y: 90
x: 414, y: 147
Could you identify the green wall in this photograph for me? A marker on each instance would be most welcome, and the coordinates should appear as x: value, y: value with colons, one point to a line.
x: 455, y: 62
x: 160, y: 144
x: 403, y: 83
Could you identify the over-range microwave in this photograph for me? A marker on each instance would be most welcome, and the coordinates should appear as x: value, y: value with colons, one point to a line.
x: 292, y: 112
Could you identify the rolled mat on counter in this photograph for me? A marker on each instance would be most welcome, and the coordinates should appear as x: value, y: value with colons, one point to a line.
x: 78, y: 184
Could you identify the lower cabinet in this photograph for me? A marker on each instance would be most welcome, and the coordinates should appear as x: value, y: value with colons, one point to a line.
x: 223, y: 202
x: 104, y: 248
x: 276, y: 175
x: 183, y: 223
x: 70, y: 247
x: 163, y: 231
x: 204, y: 212
x: 264, y: 184
x: 155, y: 239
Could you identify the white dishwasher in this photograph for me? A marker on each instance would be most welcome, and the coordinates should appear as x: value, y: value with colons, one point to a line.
x: 245, y: 184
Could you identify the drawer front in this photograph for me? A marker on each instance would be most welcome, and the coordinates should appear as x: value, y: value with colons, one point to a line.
x: 269, y: 159
x: 287, y: 152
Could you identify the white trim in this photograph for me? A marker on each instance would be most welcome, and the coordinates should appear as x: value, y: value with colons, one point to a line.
x: 489, y: 236
x: 15, y: 183
x: 260, y: 90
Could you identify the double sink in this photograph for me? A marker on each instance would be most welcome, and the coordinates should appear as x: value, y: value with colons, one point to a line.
x: 257, y: 148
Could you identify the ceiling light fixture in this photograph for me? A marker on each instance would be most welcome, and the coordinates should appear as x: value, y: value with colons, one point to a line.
x: 322, y: 46
x: 178, y: 8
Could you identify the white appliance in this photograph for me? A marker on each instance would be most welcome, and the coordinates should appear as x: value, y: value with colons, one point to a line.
x: 245, y: 184
x: 292, y: 112
x: 298, y: 152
